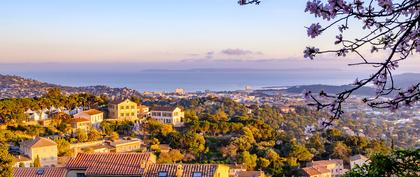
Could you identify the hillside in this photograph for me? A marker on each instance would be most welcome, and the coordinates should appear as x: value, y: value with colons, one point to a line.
x: 19, y: 87
x: 401, y: 81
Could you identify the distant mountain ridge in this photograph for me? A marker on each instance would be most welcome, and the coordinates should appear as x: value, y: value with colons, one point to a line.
x: 401, y: 81
x: 18, y: 87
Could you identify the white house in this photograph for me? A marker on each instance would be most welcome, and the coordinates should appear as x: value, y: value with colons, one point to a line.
x: 168, y: 115
x: 358, y: 160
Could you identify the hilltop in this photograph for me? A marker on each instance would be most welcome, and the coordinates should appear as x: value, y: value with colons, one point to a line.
x: 18, y: 87
x: 401, y: 81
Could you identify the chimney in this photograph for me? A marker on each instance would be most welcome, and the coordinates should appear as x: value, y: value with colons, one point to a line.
x: 143, y: 164
x: 179, y: 170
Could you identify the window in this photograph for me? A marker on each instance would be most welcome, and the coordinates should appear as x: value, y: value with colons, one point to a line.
x: 132, y: 114
x: 122, y: 114
x: 127, y: 114
x: 163, y: 174
x: 80, y: 175
x: 132, y: 107
x: 122, y: 107
x: 197, y: 174
x: 127, y: 107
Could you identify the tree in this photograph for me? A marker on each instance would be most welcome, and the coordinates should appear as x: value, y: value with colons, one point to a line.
x: 300, y: 153
x: 248, y: 160
x: 53, y: 92
x: 263, y: 162
x: 94, y: 135
x: 193, y: 143
x: 340, y: 150
x: 392, y: 28
x: 82, y: 136
x: 37, y: 162
x: 114, y: 136
x: 401, y: 163
x: 63, y: 147
x: 6, y: 161
x: 164, y: 157
x: 176, y: 155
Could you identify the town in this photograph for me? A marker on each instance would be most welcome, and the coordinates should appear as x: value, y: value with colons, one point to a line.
x: 127, y: 136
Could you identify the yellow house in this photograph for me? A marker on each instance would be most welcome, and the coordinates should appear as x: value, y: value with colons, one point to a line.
x: 43, y: 148
x: 123, y: 110
x: 168, y: 115
x: 81, y: 124
x: 95, y: 116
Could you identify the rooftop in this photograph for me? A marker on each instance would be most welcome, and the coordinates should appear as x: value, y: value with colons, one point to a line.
x: 40, y: 172
x: 315, y: 170
x: 207, y: 170
x: 92, y: 112
x: 107, y: 164
x: 163, y: 108
x: 79, y: 120
x: 38, y: 142
x: 251, y: 173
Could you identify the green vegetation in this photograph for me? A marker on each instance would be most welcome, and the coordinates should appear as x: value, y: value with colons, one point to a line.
x: 6, y: 160
x: 216, y: 131
x: 401, y: 163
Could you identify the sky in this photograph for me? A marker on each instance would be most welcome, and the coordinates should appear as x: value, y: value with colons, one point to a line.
x: 164, y: 33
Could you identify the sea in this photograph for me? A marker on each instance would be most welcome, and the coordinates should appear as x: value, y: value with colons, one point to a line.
x: 191, y: 80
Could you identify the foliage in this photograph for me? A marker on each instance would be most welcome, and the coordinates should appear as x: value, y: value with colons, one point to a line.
x: 37, y: 162
x: 172, y: 156
x: 399, y: 163
x: 391, y: 28
x: 63, y: 147
x: 6, y: 160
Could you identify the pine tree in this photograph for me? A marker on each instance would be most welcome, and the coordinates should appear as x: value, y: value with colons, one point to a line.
x: 37, y: 162
x: 6, y: 161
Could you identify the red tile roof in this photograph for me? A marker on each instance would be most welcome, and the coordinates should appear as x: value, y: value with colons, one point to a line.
x: 92, y: 112
x: 315, y: 170
x: 207, y: 170
x: 108, y: 164
x: 47, y: 172
x: 250, y: 173
x: 38, y: 142
x: 163, y: 108
x: 74, y: 120
x: 338, y: 162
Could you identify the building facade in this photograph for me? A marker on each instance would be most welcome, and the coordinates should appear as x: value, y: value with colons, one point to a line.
x: 80, y: 124
x: 95, y: 116
x: 43, y: 148
x: 123, y: 110
x: 168, y: 115
x: 358, y: 160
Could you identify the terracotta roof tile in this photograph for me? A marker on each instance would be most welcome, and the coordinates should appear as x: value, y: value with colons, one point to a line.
x: 123, y: 164
x: 38, y: 142
x: 315, y: 171
x: 79, y: 119
x: 163, y: 108
x: 92, y: 112
x: 33, y: 172
x: 207, y: 170
x: 250, y: 173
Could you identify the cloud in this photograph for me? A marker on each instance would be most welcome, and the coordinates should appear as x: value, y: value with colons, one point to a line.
x: 237, y: 52
x: 209, y: 54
